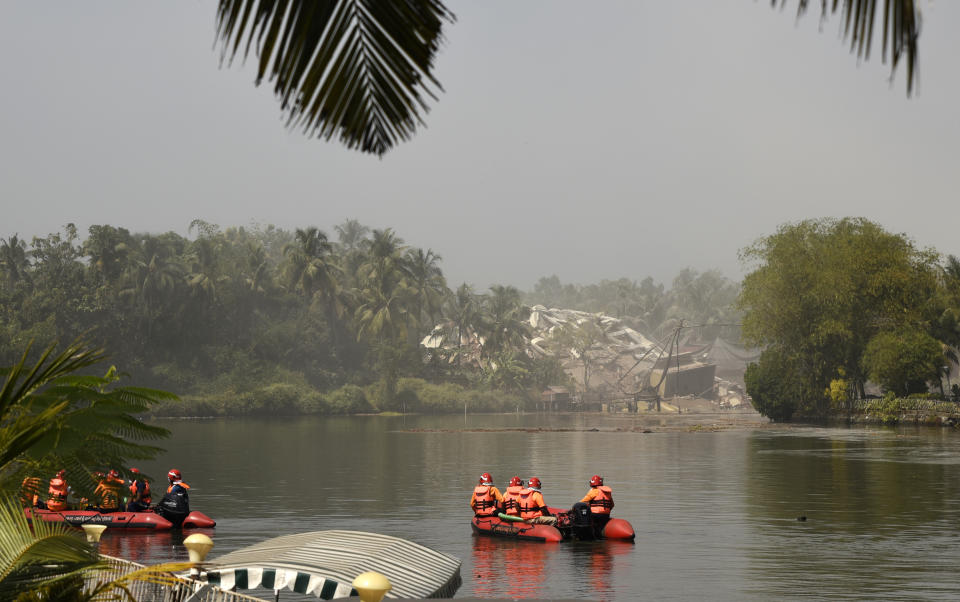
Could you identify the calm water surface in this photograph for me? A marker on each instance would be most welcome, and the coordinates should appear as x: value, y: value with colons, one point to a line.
x: 715, y: 512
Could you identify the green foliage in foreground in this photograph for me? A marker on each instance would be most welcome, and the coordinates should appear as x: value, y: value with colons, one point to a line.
x: 53, y: 416
x: 841, y: 297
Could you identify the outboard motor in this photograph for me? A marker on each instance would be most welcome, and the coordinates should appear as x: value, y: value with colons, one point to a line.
x: 582, y: 521
x: 175, y: 506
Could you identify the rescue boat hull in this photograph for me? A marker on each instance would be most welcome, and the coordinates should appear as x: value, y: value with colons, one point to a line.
x: 617, y: 528
x: 614, y: 528
x: 497, y: 527
x: 118, y: 520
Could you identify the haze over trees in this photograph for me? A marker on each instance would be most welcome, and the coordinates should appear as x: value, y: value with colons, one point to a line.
x: 259, y: 319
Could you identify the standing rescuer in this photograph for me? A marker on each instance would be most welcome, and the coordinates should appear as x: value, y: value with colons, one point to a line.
x: 600, y: 498
x: 486, y: 499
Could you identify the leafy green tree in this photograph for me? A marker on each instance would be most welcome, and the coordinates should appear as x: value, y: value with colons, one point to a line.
x: 904, y: 361
x: 823, y: 289
x: 777, y: 385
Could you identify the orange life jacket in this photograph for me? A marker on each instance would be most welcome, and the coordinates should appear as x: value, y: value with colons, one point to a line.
x: 531, y: 504
x: 511, y: 500
x: 145, y: 497
x: 485, y: 503
x: 28, y: 491
x: 58, y: 495
x: 602, y: 503
x: 108, y: 492
x: 180, y: 483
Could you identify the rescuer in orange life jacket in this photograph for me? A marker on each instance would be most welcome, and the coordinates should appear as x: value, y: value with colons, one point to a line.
x: 58, y: 492
x: 486, y: 498
x: 532, y: 507
x: 30, y: 492
x: 139, y: 493
x: 600, y: 498
x: 109, y: 492
x: 511, y: 497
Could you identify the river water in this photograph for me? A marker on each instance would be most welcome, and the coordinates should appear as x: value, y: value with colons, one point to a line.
x: 715, y: 511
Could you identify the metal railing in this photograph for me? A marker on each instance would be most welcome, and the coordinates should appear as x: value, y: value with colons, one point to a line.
x: 181, y: 591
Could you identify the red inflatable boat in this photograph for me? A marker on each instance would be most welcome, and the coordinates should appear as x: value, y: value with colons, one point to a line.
x: 119, y: 520
x: 571, y: 524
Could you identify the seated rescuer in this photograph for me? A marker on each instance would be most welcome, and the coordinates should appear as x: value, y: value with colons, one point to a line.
x: 175, y: 505
x: 532, y: 507
x: 600, y: 498
x: 58, y: 492
x: 486, y: 498
x: 139, y: 493
x: 511, y: 497
x: 109, y: 491
x: 30, y: 492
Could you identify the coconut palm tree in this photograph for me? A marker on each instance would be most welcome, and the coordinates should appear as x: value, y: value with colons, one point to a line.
x: 429, y: 286
x: 14, y: 262
x: 504, y: 326
x: 310, y: 266
x: 463, y: 318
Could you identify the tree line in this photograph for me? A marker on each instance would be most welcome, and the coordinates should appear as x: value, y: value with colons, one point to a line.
x: 838, y: 303
x: 261, y: 319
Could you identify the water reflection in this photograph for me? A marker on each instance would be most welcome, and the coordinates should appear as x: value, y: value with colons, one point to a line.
x: 143, y: 546
x: 502, y: 568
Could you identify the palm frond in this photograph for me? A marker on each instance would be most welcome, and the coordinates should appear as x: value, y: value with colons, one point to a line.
x: 901, y: 29
x: 43, y: 551
x: 361, y: 69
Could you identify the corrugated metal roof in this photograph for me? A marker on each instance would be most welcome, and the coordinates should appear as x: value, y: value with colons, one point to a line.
x: 325, y: 563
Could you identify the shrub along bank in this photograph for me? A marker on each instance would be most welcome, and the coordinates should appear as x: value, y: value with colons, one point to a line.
x: 295, y: 397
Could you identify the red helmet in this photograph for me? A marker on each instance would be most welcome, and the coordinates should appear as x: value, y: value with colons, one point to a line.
x: 113, y: 474
x: 533, y: 483
x: 135, y: 470
x: 596, y: 480
x: 61, y: 474
x: 516, y: 482
x: 486, y: 479
x: 174, y: 474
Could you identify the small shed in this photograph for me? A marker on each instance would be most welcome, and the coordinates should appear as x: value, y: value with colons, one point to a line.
x: 555, y: 398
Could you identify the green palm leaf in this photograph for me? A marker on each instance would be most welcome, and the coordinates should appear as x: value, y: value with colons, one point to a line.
x: 360, y: 69
x: 44, y: 552
x: 901, y: 29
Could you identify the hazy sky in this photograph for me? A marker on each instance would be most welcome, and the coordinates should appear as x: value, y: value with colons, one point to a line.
x: 585, y: 139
